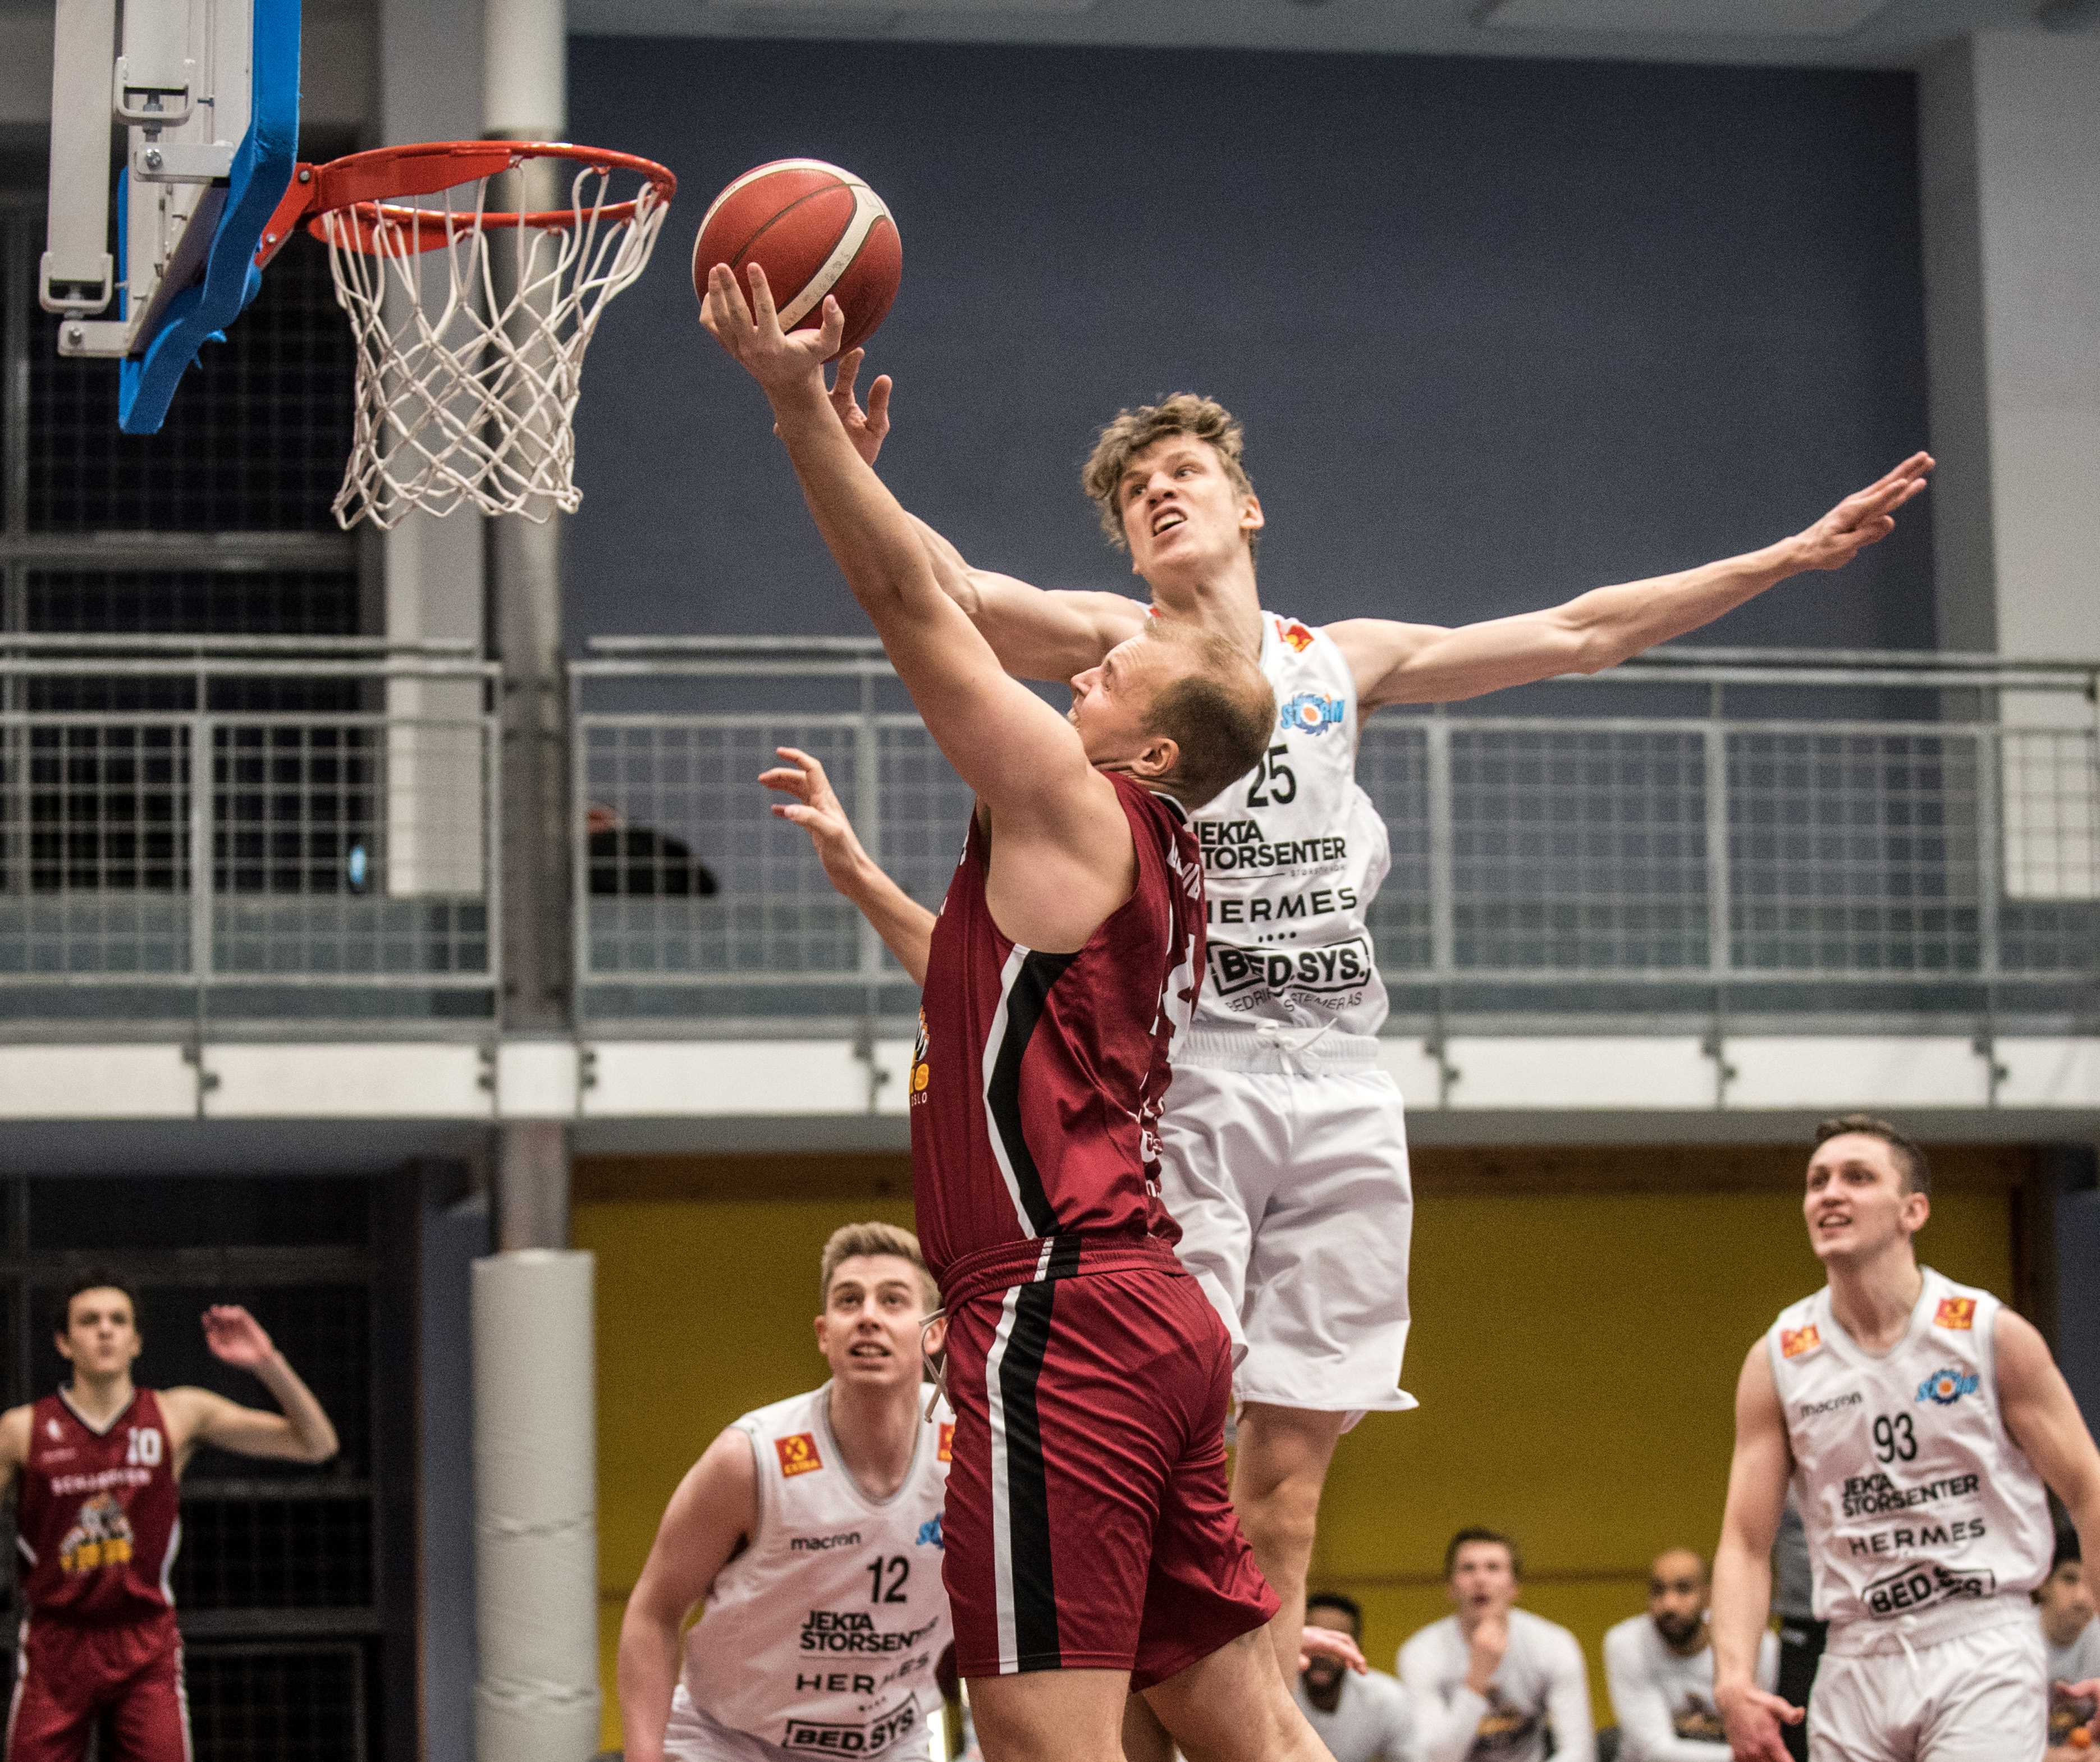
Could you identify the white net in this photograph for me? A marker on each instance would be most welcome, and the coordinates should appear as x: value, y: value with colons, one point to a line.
x: 471, y: 334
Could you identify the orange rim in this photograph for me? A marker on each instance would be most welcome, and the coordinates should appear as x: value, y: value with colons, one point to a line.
x: 365, y: 190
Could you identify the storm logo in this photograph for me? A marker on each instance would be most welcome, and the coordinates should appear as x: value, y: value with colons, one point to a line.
x: 1309, y: 712
x: 1947, y: 1387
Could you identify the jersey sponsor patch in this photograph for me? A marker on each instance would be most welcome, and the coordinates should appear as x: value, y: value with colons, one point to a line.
x: 1295, y: 636
x: 1309, y: 712
x: 835, y: 1738
x: 929, y: 1534
x: 1947, y: 1386
x: 1794, y: 1341
x: 1957, y: 1314
x: 798, y: 1454
x: 1926, y: 1584
x: 947, y: 1452
x: 1338, y: 967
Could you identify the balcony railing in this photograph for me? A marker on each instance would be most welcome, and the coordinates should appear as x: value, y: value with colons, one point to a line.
x: 303, y: 832
x: 1807, y: 837
x: 244, y: 829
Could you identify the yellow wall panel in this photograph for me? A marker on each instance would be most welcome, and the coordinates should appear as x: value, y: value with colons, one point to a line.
x: 1575, y: 1356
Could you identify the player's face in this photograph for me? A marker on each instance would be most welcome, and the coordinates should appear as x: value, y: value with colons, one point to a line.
x: 1482, y: 1578
x: 1857, y: 1203
x: 2066, y: 1603
x: 102, y: 1336
x: 1677, y: 1597
x: 1181, y: 509
x: 1322, y: 1671
x: 869, y: 1330
x: 1112, y: 704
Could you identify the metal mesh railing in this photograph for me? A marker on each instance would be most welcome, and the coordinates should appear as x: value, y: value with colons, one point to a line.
x: 178, y: 838
x: 1566, y: 857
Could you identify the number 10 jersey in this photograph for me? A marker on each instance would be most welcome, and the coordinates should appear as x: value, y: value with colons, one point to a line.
x: 1914, y: 1496
x: 822, y: 1636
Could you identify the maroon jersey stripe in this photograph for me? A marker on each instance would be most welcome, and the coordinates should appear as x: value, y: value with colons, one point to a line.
x: 1024, y: 1001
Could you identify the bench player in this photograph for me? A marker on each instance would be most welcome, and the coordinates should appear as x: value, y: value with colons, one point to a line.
x: 94, y: 1468
x: 1091, y: 1544
x: 811, y: 1529
x: 1284, y: 1154
x: 1921, y: 1422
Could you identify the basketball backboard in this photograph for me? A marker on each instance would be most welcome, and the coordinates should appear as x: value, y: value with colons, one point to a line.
x: 207, y: 93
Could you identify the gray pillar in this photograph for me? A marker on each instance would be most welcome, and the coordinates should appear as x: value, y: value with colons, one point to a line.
x: 2009, y: 158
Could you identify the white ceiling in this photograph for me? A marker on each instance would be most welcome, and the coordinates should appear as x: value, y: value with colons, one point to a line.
x: 1861, y: 33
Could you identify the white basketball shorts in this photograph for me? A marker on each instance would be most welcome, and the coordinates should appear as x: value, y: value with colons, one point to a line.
x: 1284, y: 1161
x: 693, y: 1735
x: 1978, y: 1694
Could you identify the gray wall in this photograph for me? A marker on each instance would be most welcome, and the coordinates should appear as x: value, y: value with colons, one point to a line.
x: 1499, y: 330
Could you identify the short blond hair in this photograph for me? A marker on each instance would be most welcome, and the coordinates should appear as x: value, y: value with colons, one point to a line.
x: 1184, y: 412
x: 848, y: 1240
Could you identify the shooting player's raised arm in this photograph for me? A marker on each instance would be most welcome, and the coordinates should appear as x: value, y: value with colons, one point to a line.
x: 1023, y: 761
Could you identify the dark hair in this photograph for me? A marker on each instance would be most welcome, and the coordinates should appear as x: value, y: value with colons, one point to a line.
x: 1220, y: 714
x: 1476, y: 1534
x: 2067, y: 1550
x: 1910, y: 1154
x: 1348, y: 1606
x: 91, y: 1279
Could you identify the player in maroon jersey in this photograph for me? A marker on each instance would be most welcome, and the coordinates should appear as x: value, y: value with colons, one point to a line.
x: 1090, y: 1547
x: 95, y: 1522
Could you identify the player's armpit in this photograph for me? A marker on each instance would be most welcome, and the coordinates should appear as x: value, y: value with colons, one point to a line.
x: 711, y: 1515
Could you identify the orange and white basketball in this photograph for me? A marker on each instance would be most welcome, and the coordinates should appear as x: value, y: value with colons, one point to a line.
x: 814, y: 229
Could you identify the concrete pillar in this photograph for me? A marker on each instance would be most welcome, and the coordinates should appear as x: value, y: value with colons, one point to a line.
x: 2009, y: 157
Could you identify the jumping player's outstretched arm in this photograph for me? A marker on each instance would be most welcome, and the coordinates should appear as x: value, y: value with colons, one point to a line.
x: 1023, y: 761
x: 2042, y: 1415
x: 1396, y: 663
x: 1037, y: 633
x: 711, y: 1515
x: 1742, y: 1566
x: 905, y: 926
x: 303, y: 1432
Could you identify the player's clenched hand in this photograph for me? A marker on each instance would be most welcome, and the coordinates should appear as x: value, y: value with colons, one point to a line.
x: 1862, y: 518
x: 1752, y: 1720
x: 237, y: 1336
x: 1328, y: 1642
x: 816, y: 809
x: 865, y: 429
x: 780, y: 361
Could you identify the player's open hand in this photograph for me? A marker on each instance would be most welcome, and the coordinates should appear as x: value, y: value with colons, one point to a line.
x: 1862, y: 518
x: 237, y: 1336
x: 780, y: 361
x: 865, y: 429
x: 1752, y: 1720
x: 816, y: 809
x: 1329, y: 1642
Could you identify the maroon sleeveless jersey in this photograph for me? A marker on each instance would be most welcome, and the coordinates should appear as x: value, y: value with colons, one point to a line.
x: 96, y: 1520
x: 1036, y: 1087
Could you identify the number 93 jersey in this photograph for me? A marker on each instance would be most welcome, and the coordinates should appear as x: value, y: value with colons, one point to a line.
x: 823, y: 1635
x: 1914, y: 1496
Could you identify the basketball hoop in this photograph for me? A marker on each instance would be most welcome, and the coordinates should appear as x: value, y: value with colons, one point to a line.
x: 471, y: 324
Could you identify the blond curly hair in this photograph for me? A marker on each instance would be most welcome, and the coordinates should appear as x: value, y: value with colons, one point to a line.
x: 1185, y: 412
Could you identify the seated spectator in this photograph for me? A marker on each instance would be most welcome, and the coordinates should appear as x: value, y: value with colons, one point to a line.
x: 1661, y: 1668
x: 1491, y: 1679
x: 1359, y: 1718
x: 2071, y: 1635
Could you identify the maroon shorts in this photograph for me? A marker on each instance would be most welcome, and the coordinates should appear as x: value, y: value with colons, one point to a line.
x: 1087, y: 1524
x: 126, y: 1676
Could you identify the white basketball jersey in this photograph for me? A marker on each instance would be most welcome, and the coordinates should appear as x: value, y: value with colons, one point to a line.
x: 823, y: 1634
x: 1293, y: 856
x: 1912, y: 1494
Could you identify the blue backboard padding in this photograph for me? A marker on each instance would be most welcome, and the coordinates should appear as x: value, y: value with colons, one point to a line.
x: 263, y: 167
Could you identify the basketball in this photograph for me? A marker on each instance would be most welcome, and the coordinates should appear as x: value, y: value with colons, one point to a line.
x: 814, y: 229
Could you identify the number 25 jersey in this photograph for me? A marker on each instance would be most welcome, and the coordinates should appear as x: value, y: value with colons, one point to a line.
x: 824, y: 1633
x: 1913, y: 1494
x: 96, y: 1522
